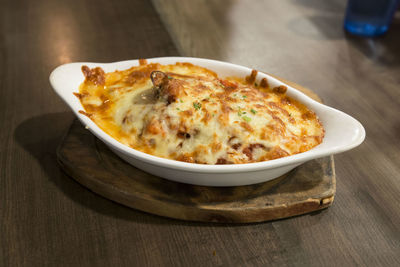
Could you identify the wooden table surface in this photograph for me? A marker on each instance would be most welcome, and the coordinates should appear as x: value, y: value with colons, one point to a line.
x: 47, y: 219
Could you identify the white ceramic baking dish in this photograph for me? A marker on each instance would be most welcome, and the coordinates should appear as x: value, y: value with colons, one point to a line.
x: 342, y: 131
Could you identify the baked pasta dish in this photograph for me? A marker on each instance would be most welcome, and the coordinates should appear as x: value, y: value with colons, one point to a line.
x: 187, y: 113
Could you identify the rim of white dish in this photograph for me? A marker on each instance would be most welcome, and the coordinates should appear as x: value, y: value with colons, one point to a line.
x: 195, y: 167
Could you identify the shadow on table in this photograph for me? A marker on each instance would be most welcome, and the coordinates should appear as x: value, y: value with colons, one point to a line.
x: 41, y: 135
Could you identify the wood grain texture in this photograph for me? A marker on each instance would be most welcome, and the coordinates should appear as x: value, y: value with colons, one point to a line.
x: 304, y: 41
x: 47, y: 219
x: 308, y: 188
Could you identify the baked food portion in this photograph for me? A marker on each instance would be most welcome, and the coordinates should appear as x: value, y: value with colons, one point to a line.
x: 187, y: 113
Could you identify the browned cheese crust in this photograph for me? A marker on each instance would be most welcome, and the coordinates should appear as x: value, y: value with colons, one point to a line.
x: 187, y: 113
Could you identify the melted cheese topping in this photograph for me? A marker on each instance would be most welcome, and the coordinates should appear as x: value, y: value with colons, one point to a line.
x: 195, y: 116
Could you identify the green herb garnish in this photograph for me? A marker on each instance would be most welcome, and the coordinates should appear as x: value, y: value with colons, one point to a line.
x: 253, y: 111
x: 169, y: 78
x: 178, y: 109
x: 244, y: 96
x: 247, y: 119
x: 180, y: 100
x: 240, y: 112
x: 197, y: 105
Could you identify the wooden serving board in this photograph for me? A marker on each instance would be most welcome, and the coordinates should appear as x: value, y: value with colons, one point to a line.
x: 307, y: 188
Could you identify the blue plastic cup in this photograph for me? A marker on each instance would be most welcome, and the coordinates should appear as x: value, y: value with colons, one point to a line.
x: 369, y: 17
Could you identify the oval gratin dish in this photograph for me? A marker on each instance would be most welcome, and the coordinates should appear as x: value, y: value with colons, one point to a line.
x: 342, y: 132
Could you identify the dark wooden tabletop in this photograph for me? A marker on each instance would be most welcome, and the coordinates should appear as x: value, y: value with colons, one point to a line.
x: 47, y: 219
